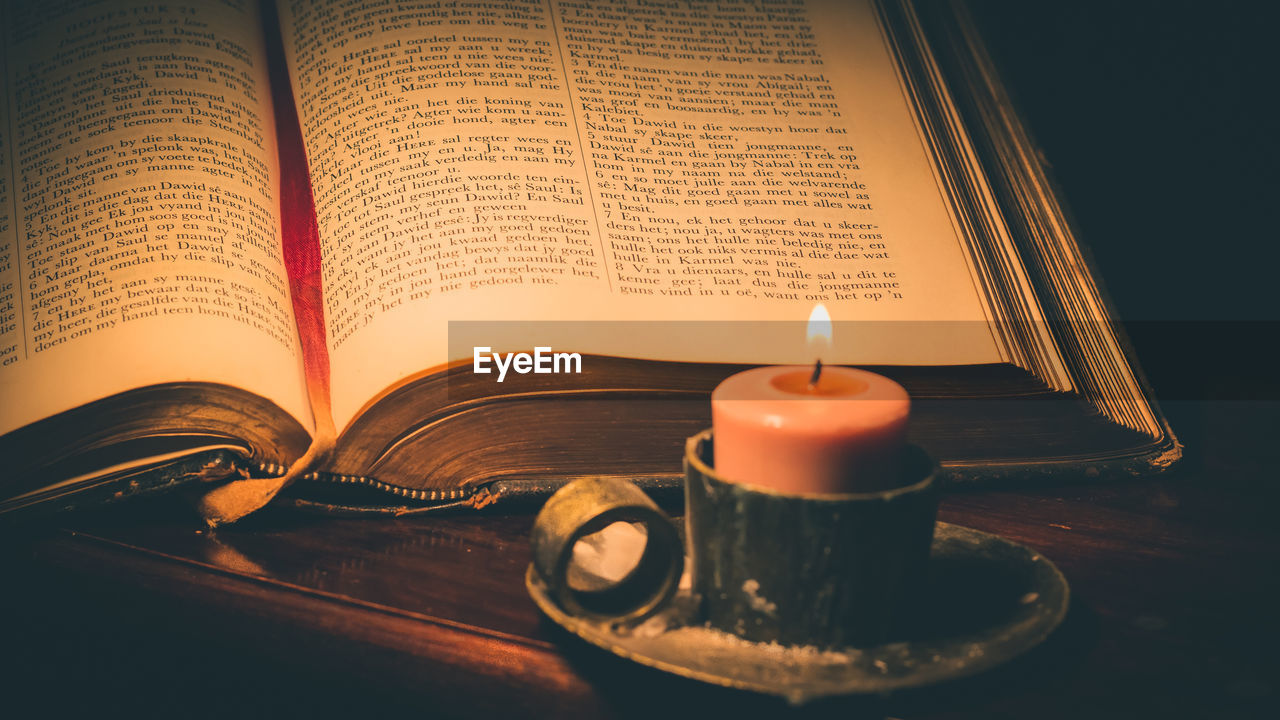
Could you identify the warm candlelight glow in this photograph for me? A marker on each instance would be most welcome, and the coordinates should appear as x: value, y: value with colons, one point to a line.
x: 819, y: 337
x: 819, y: 334
x: 820, y: 429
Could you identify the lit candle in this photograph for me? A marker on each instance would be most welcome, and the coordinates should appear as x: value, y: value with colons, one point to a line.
x: 810, y: 429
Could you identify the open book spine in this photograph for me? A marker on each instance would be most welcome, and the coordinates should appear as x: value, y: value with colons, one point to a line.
x: 301, y: 256
x: 988, y: 165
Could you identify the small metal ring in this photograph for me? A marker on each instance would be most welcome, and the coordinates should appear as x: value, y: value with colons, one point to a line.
x: 589, y: 505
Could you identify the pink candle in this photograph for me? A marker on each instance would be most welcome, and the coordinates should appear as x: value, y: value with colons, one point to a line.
x: 843, y: 434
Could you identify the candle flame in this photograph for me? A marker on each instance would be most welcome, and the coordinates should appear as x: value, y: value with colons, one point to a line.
x: 819, y: 334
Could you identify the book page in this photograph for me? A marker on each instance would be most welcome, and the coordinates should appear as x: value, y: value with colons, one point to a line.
x: 139, y: 231
x: 625, y: 161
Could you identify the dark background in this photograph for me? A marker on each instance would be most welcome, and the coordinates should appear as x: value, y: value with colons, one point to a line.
x: 1158, y: 118
x: 1159, y: 121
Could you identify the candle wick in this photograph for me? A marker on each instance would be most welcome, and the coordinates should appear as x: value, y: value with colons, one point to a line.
x: 817, y: 373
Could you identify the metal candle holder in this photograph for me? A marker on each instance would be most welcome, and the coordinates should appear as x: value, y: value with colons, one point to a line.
x: 830, y: 570
x: 800, y: 596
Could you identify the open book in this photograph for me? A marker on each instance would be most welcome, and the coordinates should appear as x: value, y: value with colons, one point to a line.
x: 231, y: 247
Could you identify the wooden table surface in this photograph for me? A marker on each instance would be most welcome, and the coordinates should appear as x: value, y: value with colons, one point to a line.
x: 1174, y: 581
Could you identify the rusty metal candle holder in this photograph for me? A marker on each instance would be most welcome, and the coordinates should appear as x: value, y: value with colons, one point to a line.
x: 800, y: 596
x: 831, y: 570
